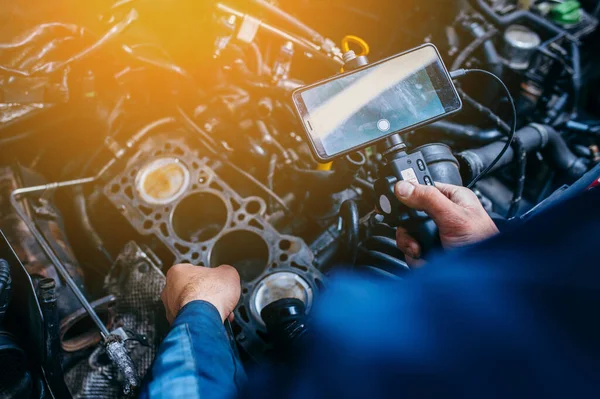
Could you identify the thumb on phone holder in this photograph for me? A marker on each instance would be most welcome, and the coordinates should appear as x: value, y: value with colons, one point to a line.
x: 425, y: 165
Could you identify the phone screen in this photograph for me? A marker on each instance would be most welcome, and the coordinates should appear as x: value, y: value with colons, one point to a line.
x: 354, y: 110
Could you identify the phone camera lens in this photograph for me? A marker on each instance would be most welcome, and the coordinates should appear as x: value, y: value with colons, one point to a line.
x: 383, y: 125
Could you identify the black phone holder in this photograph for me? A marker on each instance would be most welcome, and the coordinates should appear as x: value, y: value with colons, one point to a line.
x: 424, y: 165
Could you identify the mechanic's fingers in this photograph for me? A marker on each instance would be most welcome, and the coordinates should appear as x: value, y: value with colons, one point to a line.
x: 231, y: 317
x: 424, y: 198
x: 229, y: 273
x: 407, y: 244
x: 459, y: 195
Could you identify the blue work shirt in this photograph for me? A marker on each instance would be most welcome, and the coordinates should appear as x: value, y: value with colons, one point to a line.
x: 515, y: 315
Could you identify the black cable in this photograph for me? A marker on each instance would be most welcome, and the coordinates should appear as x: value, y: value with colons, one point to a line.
x: 488, y: 113
x: 462, y: 72
x: 520, y: 152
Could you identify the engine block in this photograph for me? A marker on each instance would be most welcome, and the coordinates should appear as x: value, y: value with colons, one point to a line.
x: 169, y: 191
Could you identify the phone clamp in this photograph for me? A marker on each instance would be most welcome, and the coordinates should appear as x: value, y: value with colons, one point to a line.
x: 424, y: 165
x: 399, y: 166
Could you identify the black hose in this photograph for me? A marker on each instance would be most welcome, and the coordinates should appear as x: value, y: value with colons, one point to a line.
x: 268, y: 137
x: 383, y: 261
x: 489, y: 50
x: 511, y: 130
x: 516, y: 143
x: 384, y: 244
x: 466, y: 132
x: 349, y: 214
x: 534, y: 137
x: 80, y: 205
x: 86, y: 224
x: 331, y: 181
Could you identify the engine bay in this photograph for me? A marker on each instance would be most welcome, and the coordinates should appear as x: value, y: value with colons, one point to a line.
x: 135, y: 135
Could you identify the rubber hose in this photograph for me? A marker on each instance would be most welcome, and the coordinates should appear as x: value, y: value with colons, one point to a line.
x: 466, y: 132
x: 492, y: 58
x: 384, y: 244
x: 86, y: 224
x: 335, y: 180
x: 385, y: 262
x: 534, y: 138
x: 470, y: 49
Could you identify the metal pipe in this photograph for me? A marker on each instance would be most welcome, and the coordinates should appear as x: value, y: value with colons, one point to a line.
x: 45, y: 245
x: 139, y: 135
x: 304, y: 44
x: 284, y: 16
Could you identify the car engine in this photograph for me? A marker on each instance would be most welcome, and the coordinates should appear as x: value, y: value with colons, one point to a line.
x: 139, y: 134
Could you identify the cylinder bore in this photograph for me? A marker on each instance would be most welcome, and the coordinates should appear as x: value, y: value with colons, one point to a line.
x: 245, y: 250
x: 162, y: 181
x: 199, y: 217
x: 276, y: 286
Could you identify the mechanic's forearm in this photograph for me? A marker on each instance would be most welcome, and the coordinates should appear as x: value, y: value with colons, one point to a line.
x: 196, y: 359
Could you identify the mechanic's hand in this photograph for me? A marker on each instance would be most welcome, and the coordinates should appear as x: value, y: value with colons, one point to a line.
x: 456, y: 211
x: 219, y: 286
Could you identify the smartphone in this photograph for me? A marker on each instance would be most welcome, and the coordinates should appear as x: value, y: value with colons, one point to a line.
x: 354, y: 110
